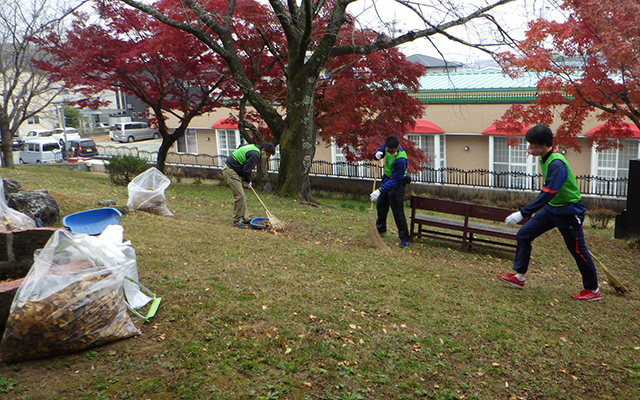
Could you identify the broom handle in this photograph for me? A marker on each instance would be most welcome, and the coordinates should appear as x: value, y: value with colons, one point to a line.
x: 375, y: 178
x: 258, y: 197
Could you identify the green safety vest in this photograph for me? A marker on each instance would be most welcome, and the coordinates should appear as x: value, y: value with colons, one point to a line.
x: 240, y: 154
x: 569, y: 192
x: 389, y: 160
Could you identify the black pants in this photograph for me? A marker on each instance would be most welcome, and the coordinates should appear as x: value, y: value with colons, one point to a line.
x: 395, y: 199
x: 570, y: 226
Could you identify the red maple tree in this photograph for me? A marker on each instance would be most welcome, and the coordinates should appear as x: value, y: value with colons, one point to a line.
x: 310, y: 45
x: 589, y: 64
x: 164, y: 67
x: 359, y: 100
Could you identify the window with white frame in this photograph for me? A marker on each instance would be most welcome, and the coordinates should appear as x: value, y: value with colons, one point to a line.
x: 613, y: 164
x: 228, y: 141
x: 433, y: 147
x: 35, y: 120
x: 505, y: 160
x: 187, y: 143
x: 342, y: 168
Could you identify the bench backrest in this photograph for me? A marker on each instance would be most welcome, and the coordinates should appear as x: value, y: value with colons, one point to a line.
x: 439, y: 205
x: 490, y: 213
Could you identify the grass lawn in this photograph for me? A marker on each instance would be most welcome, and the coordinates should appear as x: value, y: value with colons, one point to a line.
x: 316, y: 313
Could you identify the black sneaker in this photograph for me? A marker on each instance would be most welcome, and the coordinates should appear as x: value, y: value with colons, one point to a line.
x: 239, y: 224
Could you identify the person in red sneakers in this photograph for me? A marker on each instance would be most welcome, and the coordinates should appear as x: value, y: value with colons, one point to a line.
x: 559, y: 205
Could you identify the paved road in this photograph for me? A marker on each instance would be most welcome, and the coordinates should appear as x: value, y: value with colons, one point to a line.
x: 150, y: 145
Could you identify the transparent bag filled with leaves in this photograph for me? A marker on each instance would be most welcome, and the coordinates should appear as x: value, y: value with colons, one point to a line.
x: 72, y: 299
x: 146, y: 192
x: 13, y: 219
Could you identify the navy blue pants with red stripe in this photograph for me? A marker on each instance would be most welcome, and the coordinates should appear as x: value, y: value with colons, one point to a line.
x: 570, y: 226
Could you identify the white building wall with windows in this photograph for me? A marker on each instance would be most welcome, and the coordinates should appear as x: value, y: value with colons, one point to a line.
x: 505, y: 158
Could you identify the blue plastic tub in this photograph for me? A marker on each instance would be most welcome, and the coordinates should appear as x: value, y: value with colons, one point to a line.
x: 256, y: 223
x: 92, y: 222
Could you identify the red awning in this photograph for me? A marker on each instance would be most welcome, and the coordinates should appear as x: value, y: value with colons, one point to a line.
x: 224, y: 123
x: 423, y: 126
x: 492, y: 130
x: 634, y: 129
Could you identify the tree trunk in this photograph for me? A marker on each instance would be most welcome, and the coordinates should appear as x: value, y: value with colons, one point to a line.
x: 161, y: 163
x: 7, y: 144
x: 297, y: 143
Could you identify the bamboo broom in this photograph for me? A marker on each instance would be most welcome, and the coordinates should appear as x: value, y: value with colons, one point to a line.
x: 276, y: 223
x: 615, y: 282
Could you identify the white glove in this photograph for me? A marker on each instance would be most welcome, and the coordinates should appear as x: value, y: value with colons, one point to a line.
x: 513, y: 219
x: 247, y: 185
x: 378, y: 155
x: 375, y: 194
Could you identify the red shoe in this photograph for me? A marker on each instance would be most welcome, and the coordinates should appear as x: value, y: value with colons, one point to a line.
x: 512, y: 280
x: 587, y: 295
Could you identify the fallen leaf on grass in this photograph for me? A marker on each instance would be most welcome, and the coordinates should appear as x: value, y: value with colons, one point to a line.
x: 307, y: 384
x: 288, y: 350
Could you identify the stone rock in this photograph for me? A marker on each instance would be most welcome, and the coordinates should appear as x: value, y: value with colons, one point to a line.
x: 11, y: 186
x: 37, y: 204
x: 107, y: 203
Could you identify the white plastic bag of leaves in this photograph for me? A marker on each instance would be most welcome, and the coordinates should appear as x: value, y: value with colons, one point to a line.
x: 72, y: 299
x: 146, y: 192
x: 13, y: 219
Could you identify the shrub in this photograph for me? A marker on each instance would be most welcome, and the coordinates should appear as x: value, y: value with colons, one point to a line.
x: 600, y: 217
x: 122, y: 169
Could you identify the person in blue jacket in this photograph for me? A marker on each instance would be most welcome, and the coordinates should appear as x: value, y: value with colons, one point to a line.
x: 559, y: 205
x: 391, y: 193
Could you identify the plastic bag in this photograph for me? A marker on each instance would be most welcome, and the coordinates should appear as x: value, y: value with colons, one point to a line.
x: 12, y: 219
x: 146, y: 192
x: 113, y: 235
x: 72, y: 299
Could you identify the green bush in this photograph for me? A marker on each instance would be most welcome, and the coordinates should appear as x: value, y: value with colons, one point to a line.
x: 122, y: 169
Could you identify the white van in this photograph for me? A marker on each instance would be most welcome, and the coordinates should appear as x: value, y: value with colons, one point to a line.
x: 130, y: 131
x: 40, y: 151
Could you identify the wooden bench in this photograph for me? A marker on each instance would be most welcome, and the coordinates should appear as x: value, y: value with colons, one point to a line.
x: 468, y: 229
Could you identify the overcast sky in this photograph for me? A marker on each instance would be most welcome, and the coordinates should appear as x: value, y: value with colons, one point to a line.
x: 513, y: 17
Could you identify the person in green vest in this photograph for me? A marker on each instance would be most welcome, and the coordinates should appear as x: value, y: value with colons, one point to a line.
x: 391, y: 192
x: 237, y: 172
x: 559, y: 205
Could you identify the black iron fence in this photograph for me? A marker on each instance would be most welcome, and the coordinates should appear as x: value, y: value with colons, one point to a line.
x: 588, y: 185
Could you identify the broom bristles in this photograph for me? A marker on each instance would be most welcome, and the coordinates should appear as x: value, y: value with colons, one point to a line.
x: 374, y: 235
x: 615, y: 282
x: 276, y: 223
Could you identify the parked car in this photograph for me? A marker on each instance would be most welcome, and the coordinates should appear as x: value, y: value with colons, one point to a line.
x: 67, y: 133
x: 17, y: 142
x: 40, y: 151
x: 81, y: 148
x: 38, y: 133
x: 131, y: 131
